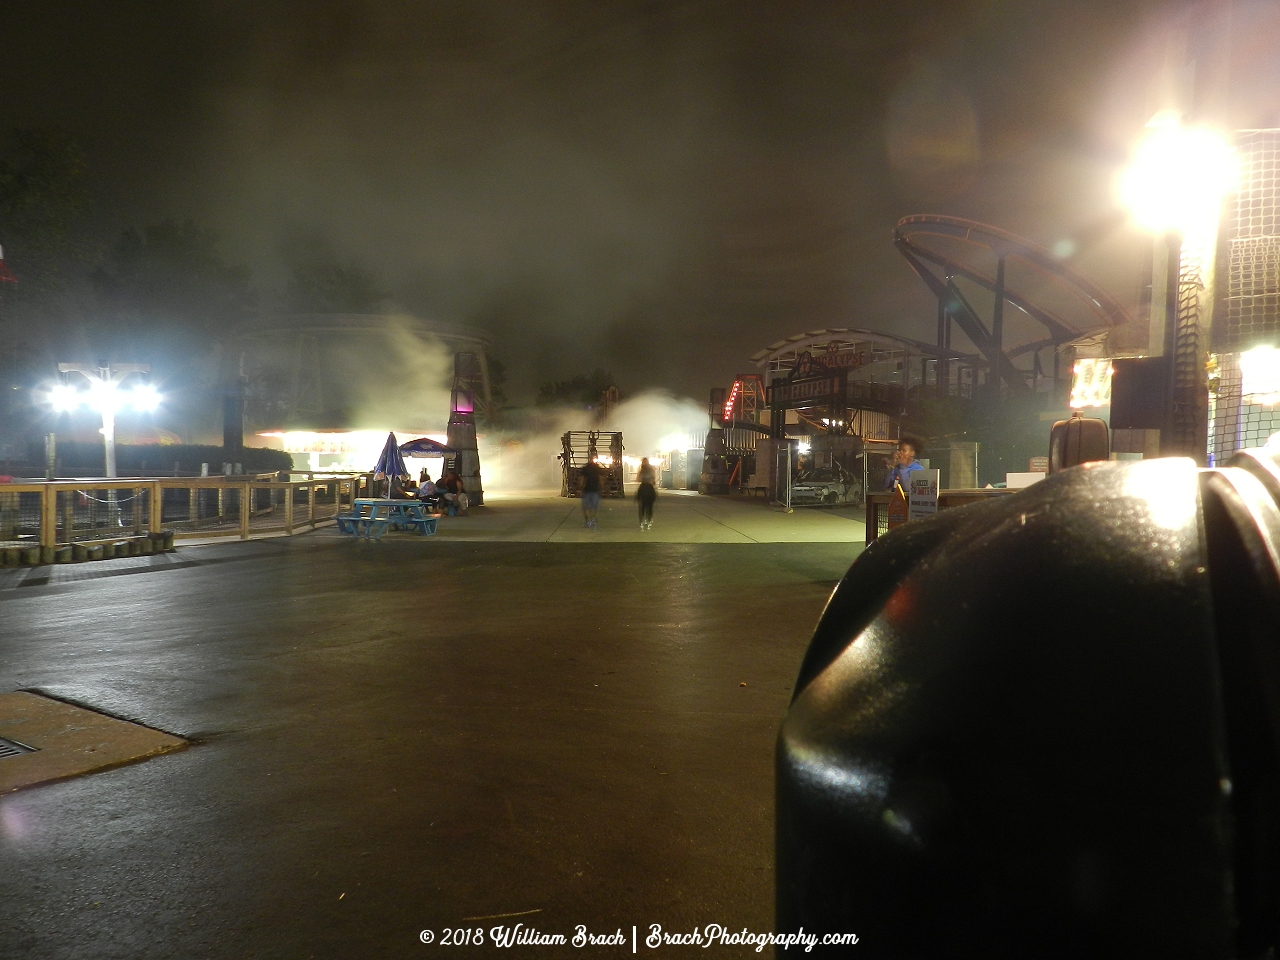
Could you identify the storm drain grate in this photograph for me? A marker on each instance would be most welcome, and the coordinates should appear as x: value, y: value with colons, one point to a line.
x: 12, y: 748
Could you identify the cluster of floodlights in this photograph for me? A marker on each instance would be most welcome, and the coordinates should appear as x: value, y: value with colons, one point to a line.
x: 104, y: 396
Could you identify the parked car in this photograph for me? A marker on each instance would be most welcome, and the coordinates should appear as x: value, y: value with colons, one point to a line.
x: 826, y: 486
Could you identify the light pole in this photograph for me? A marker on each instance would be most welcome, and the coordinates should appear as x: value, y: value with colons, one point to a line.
x: 104, y: 395
x: 1173, y: 189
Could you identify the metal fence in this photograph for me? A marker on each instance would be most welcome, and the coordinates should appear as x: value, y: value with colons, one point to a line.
x: 1236, y: 421
x: 67, y: 512
x: 1251, y: 313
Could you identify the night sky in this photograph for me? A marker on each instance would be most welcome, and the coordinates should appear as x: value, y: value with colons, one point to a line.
x: 660, y: 189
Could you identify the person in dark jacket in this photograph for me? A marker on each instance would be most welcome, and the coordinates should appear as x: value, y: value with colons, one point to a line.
x: 590, y: 479
x: 647, y: 492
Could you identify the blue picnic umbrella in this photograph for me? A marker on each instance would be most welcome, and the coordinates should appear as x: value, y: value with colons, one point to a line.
x: 390, y: 463
x: 426, y: 447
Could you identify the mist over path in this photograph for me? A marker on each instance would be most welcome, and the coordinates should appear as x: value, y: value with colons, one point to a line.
x: 680, y: 517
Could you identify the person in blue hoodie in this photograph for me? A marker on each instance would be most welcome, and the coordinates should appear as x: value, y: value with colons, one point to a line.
x: 904, y: 464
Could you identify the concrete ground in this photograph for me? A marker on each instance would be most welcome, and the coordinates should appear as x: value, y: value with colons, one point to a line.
x: 679, y: 517
x: 398, y: 736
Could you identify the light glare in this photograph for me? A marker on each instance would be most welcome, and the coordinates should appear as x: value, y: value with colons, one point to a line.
x: 145, y: 398
x: 64, y: 398
x: 1178, y: 177
x: 1260, y: 375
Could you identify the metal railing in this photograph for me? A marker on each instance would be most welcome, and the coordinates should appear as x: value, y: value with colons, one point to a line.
x: 59, y: 513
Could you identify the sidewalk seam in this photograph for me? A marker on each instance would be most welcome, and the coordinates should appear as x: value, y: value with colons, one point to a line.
x: 723, y: 524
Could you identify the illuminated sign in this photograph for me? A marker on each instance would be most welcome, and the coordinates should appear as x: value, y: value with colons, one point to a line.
x: 1091, y: 383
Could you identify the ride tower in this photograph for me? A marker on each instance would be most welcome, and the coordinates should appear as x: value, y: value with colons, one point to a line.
x: 468, y: 382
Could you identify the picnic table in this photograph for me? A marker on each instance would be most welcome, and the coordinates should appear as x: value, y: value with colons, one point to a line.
x: 373, y: 517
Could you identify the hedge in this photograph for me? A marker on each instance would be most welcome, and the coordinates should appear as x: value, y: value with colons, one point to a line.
x: 154, y: 459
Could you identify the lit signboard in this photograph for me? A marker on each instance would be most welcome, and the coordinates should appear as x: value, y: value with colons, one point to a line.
x: 1091, y: 383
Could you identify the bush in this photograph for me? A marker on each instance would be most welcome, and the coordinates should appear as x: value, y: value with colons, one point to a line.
x: 154, y: 459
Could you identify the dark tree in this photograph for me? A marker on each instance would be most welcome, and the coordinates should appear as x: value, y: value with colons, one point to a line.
x: 41, y: 197
x: 583, y: 391
x: 332, y: 288
x: 320, y: 282
x: 167, y: 288
x: 492, y: 415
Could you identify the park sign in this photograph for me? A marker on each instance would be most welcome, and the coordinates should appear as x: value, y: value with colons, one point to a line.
x: 809, y: 382
x: 812, y: 389
x: 923, y: 496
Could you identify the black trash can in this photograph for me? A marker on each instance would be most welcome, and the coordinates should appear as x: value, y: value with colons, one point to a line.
x: 1045, y: 726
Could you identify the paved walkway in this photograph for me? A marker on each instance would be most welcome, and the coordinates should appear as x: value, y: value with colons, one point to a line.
x: 414, y: 733
x: 682, y: 517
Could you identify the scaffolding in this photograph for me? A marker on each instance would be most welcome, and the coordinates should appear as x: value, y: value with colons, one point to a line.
x: 579, y: 447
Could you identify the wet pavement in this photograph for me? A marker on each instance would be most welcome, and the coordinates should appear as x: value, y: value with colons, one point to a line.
x: 397, y: 736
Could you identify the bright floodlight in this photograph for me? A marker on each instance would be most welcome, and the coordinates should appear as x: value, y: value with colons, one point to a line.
x: 1178, y: 177
x: 144, y: 398
x: 104, y: 396
x: 64, y: 398
x: 1260, y: 375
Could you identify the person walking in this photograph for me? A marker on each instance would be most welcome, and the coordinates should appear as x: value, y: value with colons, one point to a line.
x: 647, y: 493
x: 590, y: 479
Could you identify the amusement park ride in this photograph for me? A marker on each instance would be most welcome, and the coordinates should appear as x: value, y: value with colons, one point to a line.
x: 844, y: 390
x: 1043, y: 288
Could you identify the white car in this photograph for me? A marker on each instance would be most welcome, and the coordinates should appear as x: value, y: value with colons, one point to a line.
x: 826, y: 486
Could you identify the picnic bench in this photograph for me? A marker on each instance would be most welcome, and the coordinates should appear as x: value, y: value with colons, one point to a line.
x: 373, y: 517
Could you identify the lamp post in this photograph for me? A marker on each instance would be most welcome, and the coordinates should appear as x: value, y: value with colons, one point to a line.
x: 105, y: 397
x: 1173, y: 189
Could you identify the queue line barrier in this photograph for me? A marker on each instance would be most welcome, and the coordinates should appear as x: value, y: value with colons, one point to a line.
x: 878, y: 505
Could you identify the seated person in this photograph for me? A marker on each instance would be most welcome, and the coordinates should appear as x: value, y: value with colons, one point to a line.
x: 450, y: 488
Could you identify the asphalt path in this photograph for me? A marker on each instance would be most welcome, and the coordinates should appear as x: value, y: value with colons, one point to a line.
x: 399, y: 736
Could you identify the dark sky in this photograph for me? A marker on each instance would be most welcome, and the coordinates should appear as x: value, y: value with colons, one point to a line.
x: 657, y: 188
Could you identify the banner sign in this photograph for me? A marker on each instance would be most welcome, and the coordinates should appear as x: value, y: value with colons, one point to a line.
x: 923, y: 494
x: 795, y: 391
